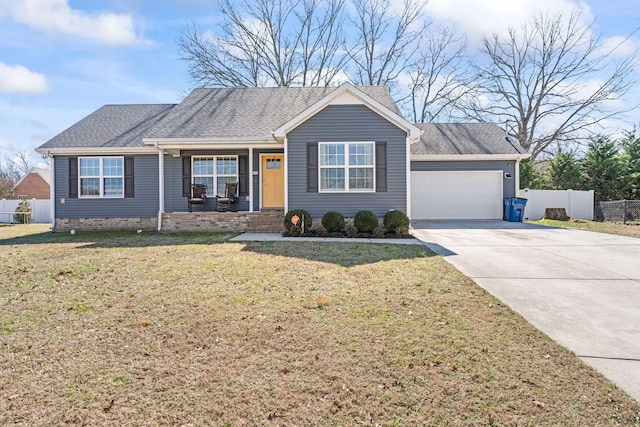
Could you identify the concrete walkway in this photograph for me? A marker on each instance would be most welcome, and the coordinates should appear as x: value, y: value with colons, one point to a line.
x: 580, y: 288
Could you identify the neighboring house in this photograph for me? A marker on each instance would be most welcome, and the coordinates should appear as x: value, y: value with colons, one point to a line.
x: 35, y: 184
x: 340, y: 148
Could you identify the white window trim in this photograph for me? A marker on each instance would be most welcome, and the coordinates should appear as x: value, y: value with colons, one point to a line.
x: 101, y: 177
x: 215, y: 175
x: 346, y: 167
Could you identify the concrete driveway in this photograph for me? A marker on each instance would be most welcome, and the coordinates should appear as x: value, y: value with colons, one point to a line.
x: 580, y: 288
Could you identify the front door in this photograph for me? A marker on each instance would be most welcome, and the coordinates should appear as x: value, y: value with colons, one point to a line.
x: 273, y: 181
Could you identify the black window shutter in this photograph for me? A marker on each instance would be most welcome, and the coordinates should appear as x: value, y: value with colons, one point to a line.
x: 73, y: 177
x: 381, y: 166
x: 186, y: 177
x: 312, y: 167
x: 243, y: 166
x: 128, y: 176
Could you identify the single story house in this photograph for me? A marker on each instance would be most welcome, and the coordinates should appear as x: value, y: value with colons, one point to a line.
x: 35, y: 184
x: 343, y: 148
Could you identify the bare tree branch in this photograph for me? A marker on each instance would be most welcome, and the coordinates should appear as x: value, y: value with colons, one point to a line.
x: 437, y: 78
x: 386, y: 41
x: 546, y: 80
x: 268, y: 43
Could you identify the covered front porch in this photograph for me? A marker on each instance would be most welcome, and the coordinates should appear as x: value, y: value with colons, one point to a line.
x: 257, y: 171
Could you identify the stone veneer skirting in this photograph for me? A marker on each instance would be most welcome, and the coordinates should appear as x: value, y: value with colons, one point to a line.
x: 256, y: 222
x: 66, y: 224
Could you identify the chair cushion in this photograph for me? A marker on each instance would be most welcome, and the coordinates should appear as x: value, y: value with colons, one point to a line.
x: 196, y: 199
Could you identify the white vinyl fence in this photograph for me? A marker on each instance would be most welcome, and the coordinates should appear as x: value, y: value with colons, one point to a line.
x: 578, y: 204
x: 40, y: 210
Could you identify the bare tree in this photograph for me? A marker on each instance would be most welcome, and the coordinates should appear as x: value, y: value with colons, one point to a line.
x: 268, y: 43
x: 437, y: 79
x: 22, y: 163
x: 387, y: 41
x: 9, y: 176
x: 550, y: 81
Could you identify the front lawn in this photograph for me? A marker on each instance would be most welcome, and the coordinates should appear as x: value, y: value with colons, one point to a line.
x: 191, y: 330
x: 629, y: 229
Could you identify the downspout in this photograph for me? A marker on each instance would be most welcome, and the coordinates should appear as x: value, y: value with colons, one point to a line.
x: 160, y: 185
x: 52, y: 190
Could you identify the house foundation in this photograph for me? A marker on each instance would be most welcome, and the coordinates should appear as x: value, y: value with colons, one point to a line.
x: 254, y: 222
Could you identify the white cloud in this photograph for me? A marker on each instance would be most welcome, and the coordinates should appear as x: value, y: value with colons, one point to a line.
x: 19, y: 79
x: 620, y: 46
x: 4, y: 144
x: 480, y: 17
x: 58, y: 16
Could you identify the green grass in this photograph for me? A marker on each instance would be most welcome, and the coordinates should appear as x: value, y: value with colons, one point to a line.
x: 190, y: 329
x: 618, y: 228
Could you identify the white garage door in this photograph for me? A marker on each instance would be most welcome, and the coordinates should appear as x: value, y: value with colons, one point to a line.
x: 456, y: 195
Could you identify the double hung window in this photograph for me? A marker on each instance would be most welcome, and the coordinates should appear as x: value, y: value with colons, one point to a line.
x: 101, y: 176
x: 215, y: 172
x: 346, y: 167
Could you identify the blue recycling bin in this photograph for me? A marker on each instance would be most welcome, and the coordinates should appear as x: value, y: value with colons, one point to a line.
x: 514, y: 209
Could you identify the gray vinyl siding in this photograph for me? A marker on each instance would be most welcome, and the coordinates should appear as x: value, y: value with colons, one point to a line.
x: 173, y: 199
x: 506, y: 166
x: 144, y: 204
x: 347, y: 123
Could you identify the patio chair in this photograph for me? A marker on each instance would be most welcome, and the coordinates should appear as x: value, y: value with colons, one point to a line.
x: 230, y: 199
x: 198, y: 197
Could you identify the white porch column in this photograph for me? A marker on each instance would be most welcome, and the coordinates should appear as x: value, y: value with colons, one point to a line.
x: 160, y: 187
x: 286, y: 175
x: 408, y: 177
x: 250, y: 179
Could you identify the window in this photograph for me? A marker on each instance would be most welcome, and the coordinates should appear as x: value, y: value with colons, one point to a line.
x: 347, y: 166
x: 215, y: 172
x: 101, y: 176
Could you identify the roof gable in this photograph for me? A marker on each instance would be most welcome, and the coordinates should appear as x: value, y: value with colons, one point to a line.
x: 44, y: 174
x: 349, y: 94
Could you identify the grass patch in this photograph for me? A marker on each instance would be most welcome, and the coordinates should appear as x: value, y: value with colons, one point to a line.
x: 127, y: 329
x: 618, y: 228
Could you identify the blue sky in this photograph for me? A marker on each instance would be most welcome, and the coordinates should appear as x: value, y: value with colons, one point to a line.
x: 62, y: 59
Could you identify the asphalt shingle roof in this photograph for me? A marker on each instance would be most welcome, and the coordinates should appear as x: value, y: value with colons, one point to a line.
x: 111, y: 126
x: 463, y: 138
x: 204, y: 113
x: 246, y: 112
x: 255, y: 113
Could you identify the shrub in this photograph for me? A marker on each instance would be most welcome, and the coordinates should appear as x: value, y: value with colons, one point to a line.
x: 351, y: 231
x: 333, y: 221
x: 23, y: 212
x: 301, y: 213
x: 321, y: 231
x: 394, y: 219
x: 365, y: 221
x: 295, y: 230
x: 377, y: 232
x: 402, y: 231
